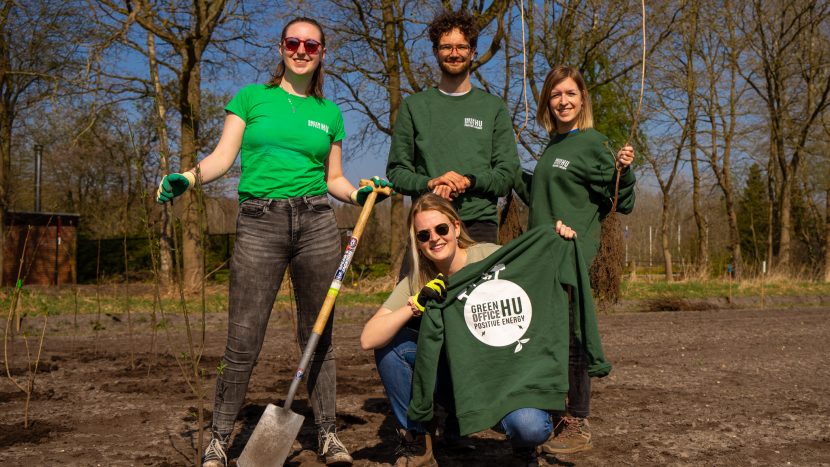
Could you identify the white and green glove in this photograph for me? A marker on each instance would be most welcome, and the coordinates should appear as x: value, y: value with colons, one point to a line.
x: 435, y: 289
x: 359, y: 196
x: 173, y: 185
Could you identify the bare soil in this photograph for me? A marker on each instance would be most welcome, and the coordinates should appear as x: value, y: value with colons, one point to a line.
x: 714, y: 387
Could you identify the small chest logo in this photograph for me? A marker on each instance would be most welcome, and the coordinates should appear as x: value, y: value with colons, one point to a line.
x: 470, y: 122
x: 497, y: 312
x: 561, y: 164
x: 318, y: 125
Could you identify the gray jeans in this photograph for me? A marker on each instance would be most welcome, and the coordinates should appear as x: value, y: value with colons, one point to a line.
x: 270, y: 235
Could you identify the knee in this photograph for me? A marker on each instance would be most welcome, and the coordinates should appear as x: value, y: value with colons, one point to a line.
x: 527, y: 427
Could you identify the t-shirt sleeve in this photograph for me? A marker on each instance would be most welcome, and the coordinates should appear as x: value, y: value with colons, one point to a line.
x: 338, y: 129
x: 399, y: 296
x: 239, y: 105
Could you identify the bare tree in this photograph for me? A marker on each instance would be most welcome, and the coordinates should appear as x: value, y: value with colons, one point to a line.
x: 41, y: 57
x: 792, y: 78
x: 720, y: 51
x: 189, y: 29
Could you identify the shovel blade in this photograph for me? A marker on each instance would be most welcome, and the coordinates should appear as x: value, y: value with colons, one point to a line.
x: 272, y: 438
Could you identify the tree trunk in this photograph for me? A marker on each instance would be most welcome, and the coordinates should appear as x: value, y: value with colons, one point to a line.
x: 700, y: 218
x: 784, y: 222
x: 189, y: 107
x: 165, y: 229
x: 665, y: 235
x: 827, y: 235
x: 397, y: 215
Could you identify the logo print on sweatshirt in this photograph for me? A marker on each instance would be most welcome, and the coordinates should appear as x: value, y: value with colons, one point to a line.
x: 497, y: 311
x: 318, y: 125
x: 470, y: 122
x: 561, y: 163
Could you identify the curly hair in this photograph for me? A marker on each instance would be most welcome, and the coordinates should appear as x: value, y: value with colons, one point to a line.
x: 446, y: 21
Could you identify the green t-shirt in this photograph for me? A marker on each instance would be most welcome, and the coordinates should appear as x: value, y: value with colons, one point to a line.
x: 574, y: 182
x: 470, y: 134
x: 286, y: 142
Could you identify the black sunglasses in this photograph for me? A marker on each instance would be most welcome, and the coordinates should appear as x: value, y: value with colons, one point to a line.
x: 292, y: 44
x: 423, y: 236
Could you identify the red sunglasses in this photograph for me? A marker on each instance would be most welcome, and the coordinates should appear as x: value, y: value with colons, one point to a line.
x: 292, y: 44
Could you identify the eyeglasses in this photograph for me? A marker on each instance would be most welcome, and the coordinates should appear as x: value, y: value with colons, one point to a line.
x: 292, y: 44
x: 461, y: 48
x: 423, y: 236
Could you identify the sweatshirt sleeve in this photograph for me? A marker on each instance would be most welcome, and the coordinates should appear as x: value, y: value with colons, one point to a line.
x: 604, y: 177
x: 504, y: 161
x: 400, y: 166
x: 430, y: 342
x: 585, y: 325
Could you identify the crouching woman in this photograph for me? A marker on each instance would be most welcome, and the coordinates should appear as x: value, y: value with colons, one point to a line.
x: 440, y: 248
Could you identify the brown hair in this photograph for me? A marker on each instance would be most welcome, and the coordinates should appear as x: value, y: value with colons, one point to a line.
x: 315, y: 86
x: 424, y: 270
x: 545, y: 117
x: 449, y: 20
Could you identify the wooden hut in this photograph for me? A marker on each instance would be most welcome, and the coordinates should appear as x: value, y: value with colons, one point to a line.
x: 40, y: 248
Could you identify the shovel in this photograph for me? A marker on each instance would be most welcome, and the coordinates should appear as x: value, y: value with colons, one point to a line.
x: 278, y: 427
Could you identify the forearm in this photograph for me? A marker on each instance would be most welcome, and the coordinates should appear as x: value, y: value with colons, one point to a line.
x: 504, y: 160
x: 383, y: 327
x: 340, y: 187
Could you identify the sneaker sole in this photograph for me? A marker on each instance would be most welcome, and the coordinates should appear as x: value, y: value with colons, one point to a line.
x: 551, y: 450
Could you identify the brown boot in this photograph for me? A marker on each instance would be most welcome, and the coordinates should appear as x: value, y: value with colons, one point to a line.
x: 415, y: 452
x: 575, y: 436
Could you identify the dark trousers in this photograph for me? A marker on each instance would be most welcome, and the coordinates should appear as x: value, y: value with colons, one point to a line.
x: 270, y: 236
x: 579, y: 383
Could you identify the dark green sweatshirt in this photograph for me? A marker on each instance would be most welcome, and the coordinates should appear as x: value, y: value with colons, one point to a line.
x: 574, y: 182
x: 504, y: 326
x: 470, y: 134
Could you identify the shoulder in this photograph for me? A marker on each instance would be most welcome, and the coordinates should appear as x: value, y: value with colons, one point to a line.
x: 480, y: 251
x: 485, y: 96
x: 594, y: 136
x: 423, y: 96
x: 253, y: 88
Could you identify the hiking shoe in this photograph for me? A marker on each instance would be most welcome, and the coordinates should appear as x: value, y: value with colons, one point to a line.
x: 330, y: 448
x: 215, y: 453
x: 415, y: 453
x: 574, y: 436
x: 524, y: 457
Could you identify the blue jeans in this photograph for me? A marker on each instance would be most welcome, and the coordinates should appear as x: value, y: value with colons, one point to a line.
x: 272, y: 234
x: 396, y: 364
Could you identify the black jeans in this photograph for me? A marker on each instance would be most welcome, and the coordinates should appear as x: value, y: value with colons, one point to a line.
x: 272, y: 234
x: 579, y: 383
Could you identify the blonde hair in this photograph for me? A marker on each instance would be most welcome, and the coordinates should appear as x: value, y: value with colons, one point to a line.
x: 545, y: 117
x: 424, y: 270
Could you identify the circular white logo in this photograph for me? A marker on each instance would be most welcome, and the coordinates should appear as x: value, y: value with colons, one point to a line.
x: 498, y: 313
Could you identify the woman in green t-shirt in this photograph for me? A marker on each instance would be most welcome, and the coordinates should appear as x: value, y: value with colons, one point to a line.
x: 574, y: 181
x: 440, y: 247
x: 290, y: 142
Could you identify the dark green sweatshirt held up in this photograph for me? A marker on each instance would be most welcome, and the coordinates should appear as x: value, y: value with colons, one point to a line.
x: 504, y: 326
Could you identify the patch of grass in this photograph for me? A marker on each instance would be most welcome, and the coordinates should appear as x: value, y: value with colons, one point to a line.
x: 689, y: 289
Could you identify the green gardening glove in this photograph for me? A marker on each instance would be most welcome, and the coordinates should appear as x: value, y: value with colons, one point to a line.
x: 173, y: 185
x: 359, y: 196
x: 435, y: 289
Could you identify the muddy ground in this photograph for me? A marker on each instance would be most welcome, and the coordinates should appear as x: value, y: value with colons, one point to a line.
x: 715, y: 387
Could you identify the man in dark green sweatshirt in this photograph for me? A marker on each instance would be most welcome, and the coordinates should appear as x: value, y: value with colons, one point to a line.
x: 455, y: 140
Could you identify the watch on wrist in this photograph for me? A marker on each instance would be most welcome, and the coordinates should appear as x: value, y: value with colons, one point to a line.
x: 472, y: 179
